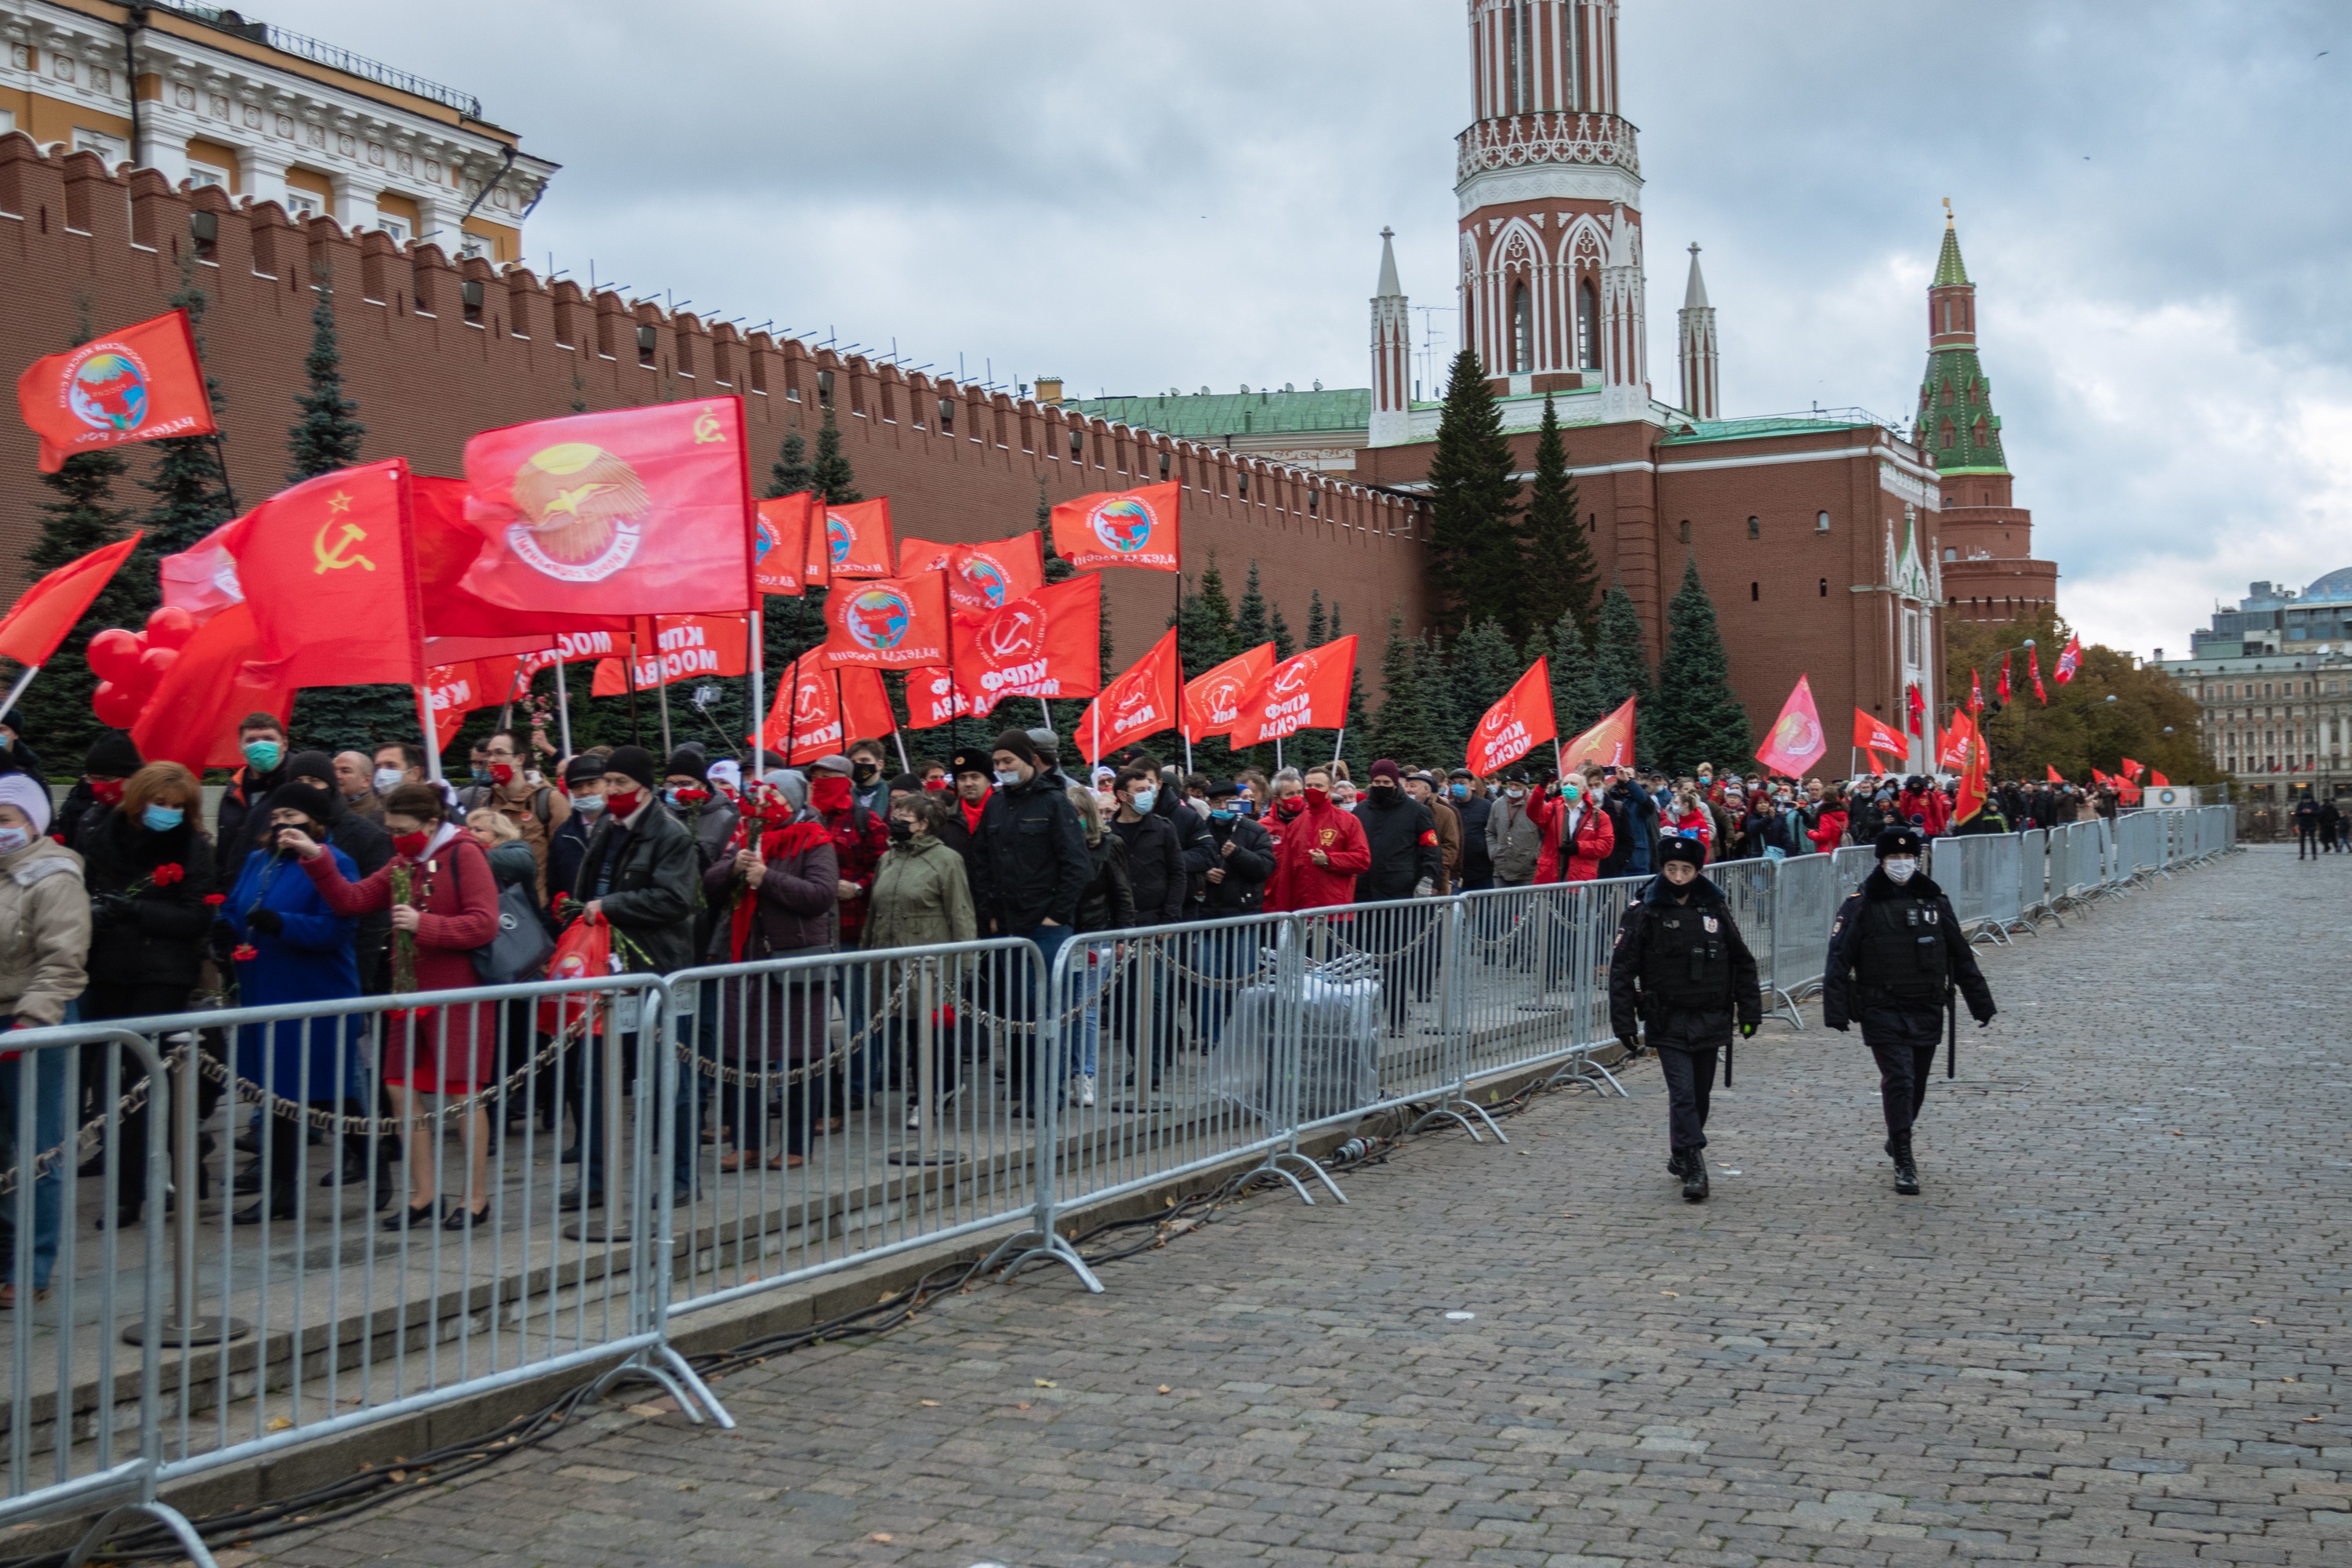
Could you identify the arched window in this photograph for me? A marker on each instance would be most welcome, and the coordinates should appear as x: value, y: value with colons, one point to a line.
x: 1588, y: 327
x: 1523, y: 330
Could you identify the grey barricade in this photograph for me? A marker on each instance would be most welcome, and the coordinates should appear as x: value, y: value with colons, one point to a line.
x: 1533, y: 980
x: 2032, y: 876
x: 1962, y: 867
x: 1805, y: 895
x: 2001, y: 912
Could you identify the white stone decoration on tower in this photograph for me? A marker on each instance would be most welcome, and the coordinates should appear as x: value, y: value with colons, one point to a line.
x: 1696, y: 322
x: 1391, y: 353
x: 1625, y: 367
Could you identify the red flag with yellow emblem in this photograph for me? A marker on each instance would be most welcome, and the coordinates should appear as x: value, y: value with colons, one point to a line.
x: 888, y: 623
x: 981, y: 577
x: 330, y: 575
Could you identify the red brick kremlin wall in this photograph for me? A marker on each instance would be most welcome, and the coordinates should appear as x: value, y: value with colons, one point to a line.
x: 428, y: 371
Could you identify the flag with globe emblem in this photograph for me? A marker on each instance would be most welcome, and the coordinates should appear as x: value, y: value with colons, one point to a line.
x: 140, y: 384
x: 888, y: 623
x: 1121, y: 528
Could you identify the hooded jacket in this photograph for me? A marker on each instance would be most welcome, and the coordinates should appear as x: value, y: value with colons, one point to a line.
x: 44, y: 931
x: 1515, y: 843
x: 919, y: 897
x: 1298, y: 882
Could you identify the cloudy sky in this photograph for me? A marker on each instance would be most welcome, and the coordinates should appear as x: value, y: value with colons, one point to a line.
x: 1140, y: 196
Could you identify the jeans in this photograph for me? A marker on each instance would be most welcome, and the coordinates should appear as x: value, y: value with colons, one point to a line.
x: 1024, y: 1005
x: 641, y: 1050
x: 1086, y: 990
x: 48, y: 1086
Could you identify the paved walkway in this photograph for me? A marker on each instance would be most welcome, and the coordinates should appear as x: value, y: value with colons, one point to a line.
x: 2108, y: 1333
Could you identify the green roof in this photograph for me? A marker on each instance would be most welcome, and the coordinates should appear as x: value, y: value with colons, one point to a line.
x: 1948, y: 268
x: 1963, y: 433
x: 1754, y: 429
x: 1209, y: 414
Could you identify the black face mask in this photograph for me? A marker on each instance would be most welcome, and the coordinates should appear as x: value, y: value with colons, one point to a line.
x: 901, y: 830
x: 864, y: 771
x: 1383, y: 795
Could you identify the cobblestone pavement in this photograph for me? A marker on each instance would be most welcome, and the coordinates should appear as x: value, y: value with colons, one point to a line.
x: 2110, y: 1332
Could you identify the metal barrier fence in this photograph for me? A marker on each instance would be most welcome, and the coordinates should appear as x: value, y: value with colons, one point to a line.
x: 234, y: 1231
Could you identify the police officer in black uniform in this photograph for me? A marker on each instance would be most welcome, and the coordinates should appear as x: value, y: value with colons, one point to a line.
x: 1682, y: 968
x: 1896, y: 953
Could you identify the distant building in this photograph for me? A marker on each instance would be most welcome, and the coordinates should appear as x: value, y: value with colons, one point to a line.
x: 210, y: 97
x: 2272, y: 681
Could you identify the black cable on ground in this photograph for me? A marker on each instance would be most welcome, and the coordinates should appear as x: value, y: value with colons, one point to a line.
x: 338, y: 1501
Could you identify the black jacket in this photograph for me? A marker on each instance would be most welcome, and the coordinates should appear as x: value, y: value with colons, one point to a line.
x: 1639, y: 967
x: 1403, y: 837
x: 1032, y: 858
x: 244, y: 819
x: 1846, y: 994
x: 79, y: 813
x: 1242, y: 892
x: 1191, y: 829
x: 1155, y: 868
x: 1477, y: 866
x: 1108, y: 903
x: 155, y: 937
x: 1631, y: 811
x: 566, y: 847
x: 960, y: 838
x: 650, y: 886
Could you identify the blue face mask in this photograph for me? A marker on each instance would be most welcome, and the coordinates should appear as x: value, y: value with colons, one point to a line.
x: 263, y: 754
x: 1461, y: 792
x: 1220, y: 816
x: 162, y: 818
x: 1144, y: 800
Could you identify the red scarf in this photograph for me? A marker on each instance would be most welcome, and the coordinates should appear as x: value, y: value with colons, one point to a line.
x: 788, y: 840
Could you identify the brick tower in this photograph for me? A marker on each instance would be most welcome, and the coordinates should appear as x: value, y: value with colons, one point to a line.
x: 1550, y: 187
x: 1988, y: 573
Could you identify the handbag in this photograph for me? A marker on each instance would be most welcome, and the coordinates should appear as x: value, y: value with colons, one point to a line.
x: 520, y: 947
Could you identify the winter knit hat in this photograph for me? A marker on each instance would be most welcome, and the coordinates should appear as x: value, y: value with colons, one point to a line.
x: 689, y: 761
x: 301, y: 795
x: 634, y: 762
x: 1017, y: 741
x: 113, y: 755
x: 27, y: 795
x: 1387, y: 769
x: 1672, y: 848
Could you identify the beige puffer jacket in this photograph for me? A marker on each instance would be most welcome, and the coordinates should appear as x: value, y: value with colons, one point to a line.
x: 44, y: 931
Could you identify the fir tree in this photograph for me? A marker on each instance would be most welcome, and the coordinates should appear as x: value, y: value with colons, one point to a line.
x: 1473, y: 549
x: 1057, y: 570
x: 790, y: 473
x: 1285, y: 644
x: 1250, y: 625
x: 53, y: 715
x: 1620, y: 661
x: 1575, y: 693
x: 1434, y: 672
x: 1486, y: 665
x: 1560, y: 577
x: 1405, y: 729
x: 190, y: 496
x: 830, y: 475
x: 1358, y: 739
x: 327, y: 437
x: 1318, y: 634
x: 1699, y: 717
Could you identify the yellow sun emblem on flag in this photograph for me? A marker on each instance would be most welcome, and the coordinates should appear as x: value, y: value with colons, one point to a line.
x: 577, y: 496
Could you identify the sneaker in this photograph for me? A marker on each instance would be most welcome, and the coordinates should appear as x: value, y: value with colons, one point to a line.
x: 914, y: 1117
x: 1087, y: 1089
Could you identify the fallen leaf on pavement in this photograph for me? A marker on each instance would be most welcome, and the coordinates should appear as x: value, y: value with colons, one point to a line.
x: 1676, y: 1294
x: 1044, y: 1382
x: 1165, y: 1389
x: 930, y: 1403
x: 881, y: 1536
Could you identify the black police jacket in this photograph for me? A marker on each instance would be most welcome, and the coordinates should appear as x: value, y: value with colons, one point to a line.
x: 1403, y: 837
x: 1681, y: 964
x: 1899, y: 947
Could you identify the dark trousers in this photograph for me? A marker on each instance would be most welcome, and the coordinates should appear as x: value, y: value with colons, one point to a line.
x: 1690, y: 1081
x: 1904, y: 1041
x: 2307, y: 841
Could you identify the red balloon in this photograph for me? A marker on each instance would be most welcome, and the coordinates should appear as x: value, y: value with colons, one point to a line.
x: 114, y: 706
x: 170, y: 626
x: 114, y: 652
x: 155, y: 664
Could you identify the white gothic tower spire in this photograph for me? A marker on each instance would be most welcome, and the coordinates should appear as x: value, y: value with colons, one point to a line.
x: 1391, y: 353
x: 1702, y: 397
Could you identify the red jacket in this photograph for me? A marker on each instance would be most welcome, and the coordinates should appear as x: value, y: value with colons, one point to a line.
x: 858, y: 840
x: 1596, y: 837
x: 1831, y: 833
x: 1298, y: 883
x: 1930, y: 805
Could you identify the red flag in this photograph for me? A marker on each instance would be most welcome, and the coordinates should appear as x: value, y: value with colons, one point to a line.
x: 2132, y: 770
x: 1796, y: 742
x: 856, y: 539
x: 865, y: 710
x: 2098, y: 778
x: 48, y: 610
x: 1213, y: 703
x: 933, y: 697
x: 573, y: 646
x: 680, y: 648
x: 2033, y: 669
x: 1047, y: 642
x: 637, y: 512
x: 446, y: 546
x: 1121, y: 528
x: 1308, y: 691
x: 456, y: 690
x: 1873, y: 736
x: 1515, y: 725
x: 2070, y: 659
x: 2158, y: 781
x: 1142, y: 701
x: 1957, y: 746
x: 1918, y: 707
x: 981, y: 577
x: 2055, y: 776
x: 820, y: 710
x: 191, y: 717
x: 888, y: 623
x: 1975, y: 692
x: 329, y: 574
x: 779, y: 543
x: 2003, y: 693
x: 142, y: 383
x: 201, y: 579
x: 1609, y: 743
x: 1969, y: 796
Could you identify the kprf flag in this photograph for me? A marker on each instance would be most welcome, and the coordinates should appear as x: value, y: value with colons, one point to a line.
x: 331, y: 578
x: 935, y: 696
x: 981, y: 577
x: 2070, y: 659
x: 2158, y: 781
x: 2055, y: 777
x: 819, y: 711
x: 454, y: 690
x: 1875, y: 737
x: 1515, y: 725
x: 1142, y: 701
x: 1957, y: 747
x: 1975, y: 692
x: 1045, y: 643
x: 1213, y: 703
x: 637, y: 512
x: 48, y: 610
x: 1916, y: 705
x: 446, y: 547
x: 2003, y: 691
x: 1795, y: 741
x: 191, y: 718
x: 1609, y: 743
x: 855, y: 541
x: 780, y: 529
x: 2132, y: 770
x: 1307, y: 691
x: 888, y: 623
x: 140, y: 384
x: 680, y: 648
x: 1969, y: 795
x: 1121, y: 528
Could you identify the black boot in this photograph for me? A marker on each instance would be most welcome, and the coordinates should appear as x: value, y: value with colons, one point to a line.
x: 1677, y: 1162
x: 1694, y: 1176
x: 1906, y: 1174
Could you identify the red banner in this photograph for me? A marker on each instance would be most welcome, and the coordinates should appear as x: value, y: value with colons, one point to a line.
x: 1609, y: 743
x: 1214, y: 703
x: 1875, y: 737
x: 637, y: 512
x: 2055, y: 776
x: 2003, y: 689
x: 1915, y: 704
x: 856, y: 541
x: 48, y: 610
x: 1142, y: 701
x: 1515, y: 725
x: 981, y: 577
x: 1307, y: 692
x: 779, y: 543
x: 2033, y: 669
x: 1969, y: 795
x: 455, y: 691
x: 1121, y: 528
x: 933, y: 697
x: 142, y: 383
x: 1796, y: 742
x: 889, y: 623
x: 1957, y: 748
x: 191, y: 717
x: 446, y: 546
x: 2070, y: 659
x: 1043, y: 643
x: 329, y: 574
x: 819, y: 711
x: 680, y: 648
x: 1975, y: 692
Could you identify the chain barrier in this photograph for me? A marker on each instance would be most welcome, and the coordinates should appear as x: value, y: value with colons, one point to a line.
x: 84, y: 1141
x: 711, y: 1068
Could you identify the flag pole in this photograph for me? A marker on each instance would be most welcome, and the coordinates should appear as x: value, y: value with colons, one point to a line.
x: 562, y: 705
x: 431, y: 741
x: 759, y: 678
x: 637, y: 730
x: 661, y: 697
x: 220, y: 456
x: 9, y: 702
x: 1278, y: 753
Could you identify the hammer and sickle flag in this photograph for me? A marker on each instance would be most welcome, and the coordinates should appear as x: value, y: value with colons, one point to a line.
x: 330, y: 573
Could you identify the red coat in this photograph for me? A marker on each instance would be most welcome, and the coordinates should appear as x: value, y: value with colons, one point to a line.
x: 1298, y: 883
x: 1596, y: 837
x: 1831, y: 833
x: 457, y: 1047
x: 860, y: 837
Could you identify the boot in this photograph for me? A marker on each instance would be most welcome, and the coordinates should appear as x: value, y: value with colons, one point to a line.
x: 1694, y: 1176
x: 1677, y: 1162
x: 1906, y: 1174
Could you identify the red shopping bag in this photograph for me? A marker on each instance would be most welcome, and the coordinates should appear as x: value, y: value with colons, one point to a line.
x: 585, y: 948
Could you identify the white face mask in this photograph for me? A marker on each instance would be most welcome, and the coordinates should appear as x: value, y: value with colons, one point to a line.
x: 13, y: 839
x: 1899, y: 868
x: 387, y: 780
x: 1007, y: 777
x: 588, y: 805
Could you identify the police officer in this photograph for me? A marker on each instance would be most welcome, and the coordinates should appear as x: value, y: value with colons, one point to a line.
x: 1683, y: 968
x: 1896, y: 953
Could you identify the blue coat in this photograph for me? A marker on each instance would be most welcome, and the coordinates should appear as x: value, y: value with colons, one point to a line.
x: 312, y: 958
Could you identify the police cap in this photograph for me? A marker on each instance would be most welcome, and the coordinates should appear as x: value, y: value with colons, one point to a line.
x: 1900, y: 841
x: 1675, y: 848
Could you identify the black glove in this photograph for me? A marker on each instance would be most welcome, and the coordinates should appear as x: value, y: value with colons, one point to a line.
x: 1984, y: 1023
x: 268, y: 922
x: 1629, y: 1044
x: 1746, y: 1031
x: 106, y: 910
